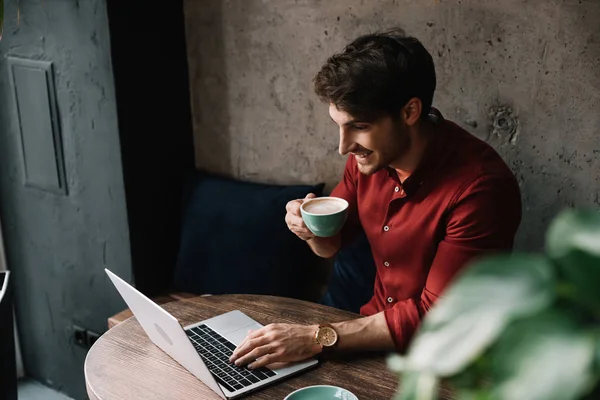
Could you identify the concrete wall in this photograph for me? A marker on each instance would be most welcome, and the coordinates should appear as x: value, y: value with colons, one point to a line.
x: 522, y: 74
x: 57, y: 245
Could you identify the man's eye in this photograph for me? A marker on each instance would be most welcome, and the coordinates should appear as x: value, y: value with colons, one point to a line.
x: 361, y: 127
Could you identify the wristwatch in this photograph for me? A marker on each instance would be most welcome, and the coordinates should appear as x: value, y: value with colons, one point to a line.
x: 326, y: 337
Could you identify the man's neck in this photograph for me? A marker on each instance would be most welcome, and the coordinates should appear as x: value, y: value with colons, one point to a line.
x: 420, y: 138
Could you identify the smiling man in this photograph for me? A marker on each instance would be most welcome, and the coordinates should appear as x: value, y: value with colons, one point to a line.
x: 429, y: 196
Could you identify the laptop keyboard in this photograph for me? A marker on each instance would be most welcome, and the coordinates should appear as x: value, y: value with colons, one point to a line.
x: 215, y: 351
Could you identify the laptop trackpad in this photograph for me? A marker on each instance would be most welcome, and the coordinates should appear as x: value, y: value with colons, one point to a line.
x: 238, y: 336
x: 229, y: 322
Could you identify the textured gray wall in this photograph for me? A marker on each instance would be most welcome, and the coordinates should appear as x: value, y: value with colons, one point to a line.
x: 57, y: 246
x: 522, y: 74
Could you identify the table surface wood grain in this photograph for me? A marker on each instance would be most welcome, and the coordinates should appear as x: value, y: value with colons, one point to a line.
x: 125, y: 364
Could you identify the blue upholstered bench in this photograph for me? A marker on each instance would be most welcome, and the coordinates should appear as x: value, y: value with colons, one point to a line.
x: 234, y: 240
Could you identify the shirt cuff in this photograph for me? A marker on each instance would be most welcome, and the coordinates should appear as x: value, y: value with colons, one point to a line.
x: 393, y: 317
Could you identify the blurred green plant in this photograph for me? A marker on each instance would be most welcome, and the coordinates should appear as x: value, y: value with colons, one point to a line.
x: 516, y: 327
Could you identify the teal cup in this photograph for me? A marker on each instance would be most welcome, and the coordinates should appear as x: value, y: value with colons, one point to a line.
x: 324, y: 216
x: 321, y: 392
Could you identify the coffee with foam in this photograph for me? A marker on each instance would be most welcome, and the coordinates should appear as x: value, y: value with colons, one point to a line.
x: 324, y: 206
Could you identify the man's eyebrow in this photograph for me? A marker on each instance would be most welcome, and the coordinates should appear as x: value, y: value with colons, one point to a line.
x: 351, y: 122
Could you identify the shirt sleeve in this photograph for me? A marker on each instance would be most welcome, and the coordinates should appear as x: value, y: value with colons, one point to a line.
x: 347, y: 189
x: 483, y: 220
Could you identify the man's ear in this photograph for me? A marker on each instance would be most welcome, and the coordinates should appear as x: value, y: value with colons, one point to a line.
x: 411, y: 112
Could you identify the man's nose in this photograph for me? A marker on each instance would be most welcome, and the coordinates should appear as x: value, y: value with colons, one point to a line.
x: 347, y: 145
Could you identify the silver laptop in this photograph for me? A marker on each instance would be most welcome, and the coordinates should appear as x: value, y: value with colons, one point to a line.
x: 204, y: 348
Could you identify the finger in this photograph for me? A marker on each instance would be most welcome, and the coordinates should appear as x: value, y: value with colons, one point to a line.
x: 290, y: 219
x: 252, y: 341
x: 255, y: 354
x: 310, y: 196
x: 297, y: 225
x: 293, y: 206
x: 255, y: 339
x: 266, y: 360
x: 235, y: 353
x: 301, y: 231
x: 297, y: 222
x: 249, y: 335
x: 244, y: 349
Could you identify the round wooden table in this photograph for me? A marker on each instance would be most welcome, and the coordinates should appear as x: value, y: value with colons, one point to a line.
x: 125, y: 364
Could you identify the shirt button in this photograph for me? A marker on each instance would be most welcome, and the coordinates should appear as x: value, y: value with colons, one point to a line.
x: 386, y: 228
x: 390, y: 300
x: 387, y: 264
x: 397, y: 189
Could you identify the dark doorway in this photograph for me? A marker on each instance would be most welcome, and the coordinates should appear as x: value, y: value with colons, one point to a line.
x: 152, y: 90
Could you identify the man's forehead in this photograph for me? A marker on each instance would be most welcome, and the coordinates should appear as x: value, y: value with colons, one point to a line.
x: 338, y: 116
x: 342, y: 117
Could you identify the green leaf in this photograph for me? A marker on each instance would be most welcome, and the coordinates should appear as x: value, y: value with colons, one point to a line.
x: 573, y: 242
x: 475, y: 377
x: 466, y: 394
x: 546, y: 357
x: 407, y: 389
x: 574, y: 229
x: 396, y: 363
x: 597, y: 355
x: 597, y: 358
x: 417, y: 386
x: 475, y: 309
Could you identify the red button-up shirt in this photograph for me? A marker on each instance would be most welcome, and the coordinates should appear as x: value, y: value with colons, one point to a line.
x: 460, y: 203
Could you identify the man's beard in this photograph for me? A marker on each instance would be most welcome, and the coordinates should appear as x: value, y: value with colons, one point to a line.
x: 382, y: 160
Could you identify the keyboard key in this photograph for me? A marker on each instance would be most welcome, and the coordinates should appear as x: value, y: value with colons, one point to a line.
x: 259, y: 375
x: 237, y: 386
x: 221, y: 374
x: 229, y: 345
x: 197, y: 331
x: 245, y: 382
x: 236, y: 376
x: 267, y: 372
x: 225, y: 384
x: 222, y: 348
x: 252, y: 379
x: 212, y: 367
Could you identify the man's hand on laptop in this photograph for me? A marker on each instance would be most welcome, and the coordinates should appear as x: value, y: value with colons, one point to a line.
x: 277, y: 343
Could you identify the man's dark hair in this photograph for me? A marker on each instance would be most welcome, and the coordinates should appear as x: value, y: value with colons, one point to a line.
x: 377, y: 74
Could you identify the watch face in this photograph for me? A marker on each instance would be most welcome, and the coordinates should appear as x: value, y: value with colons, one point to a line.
x: 327, y: 336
